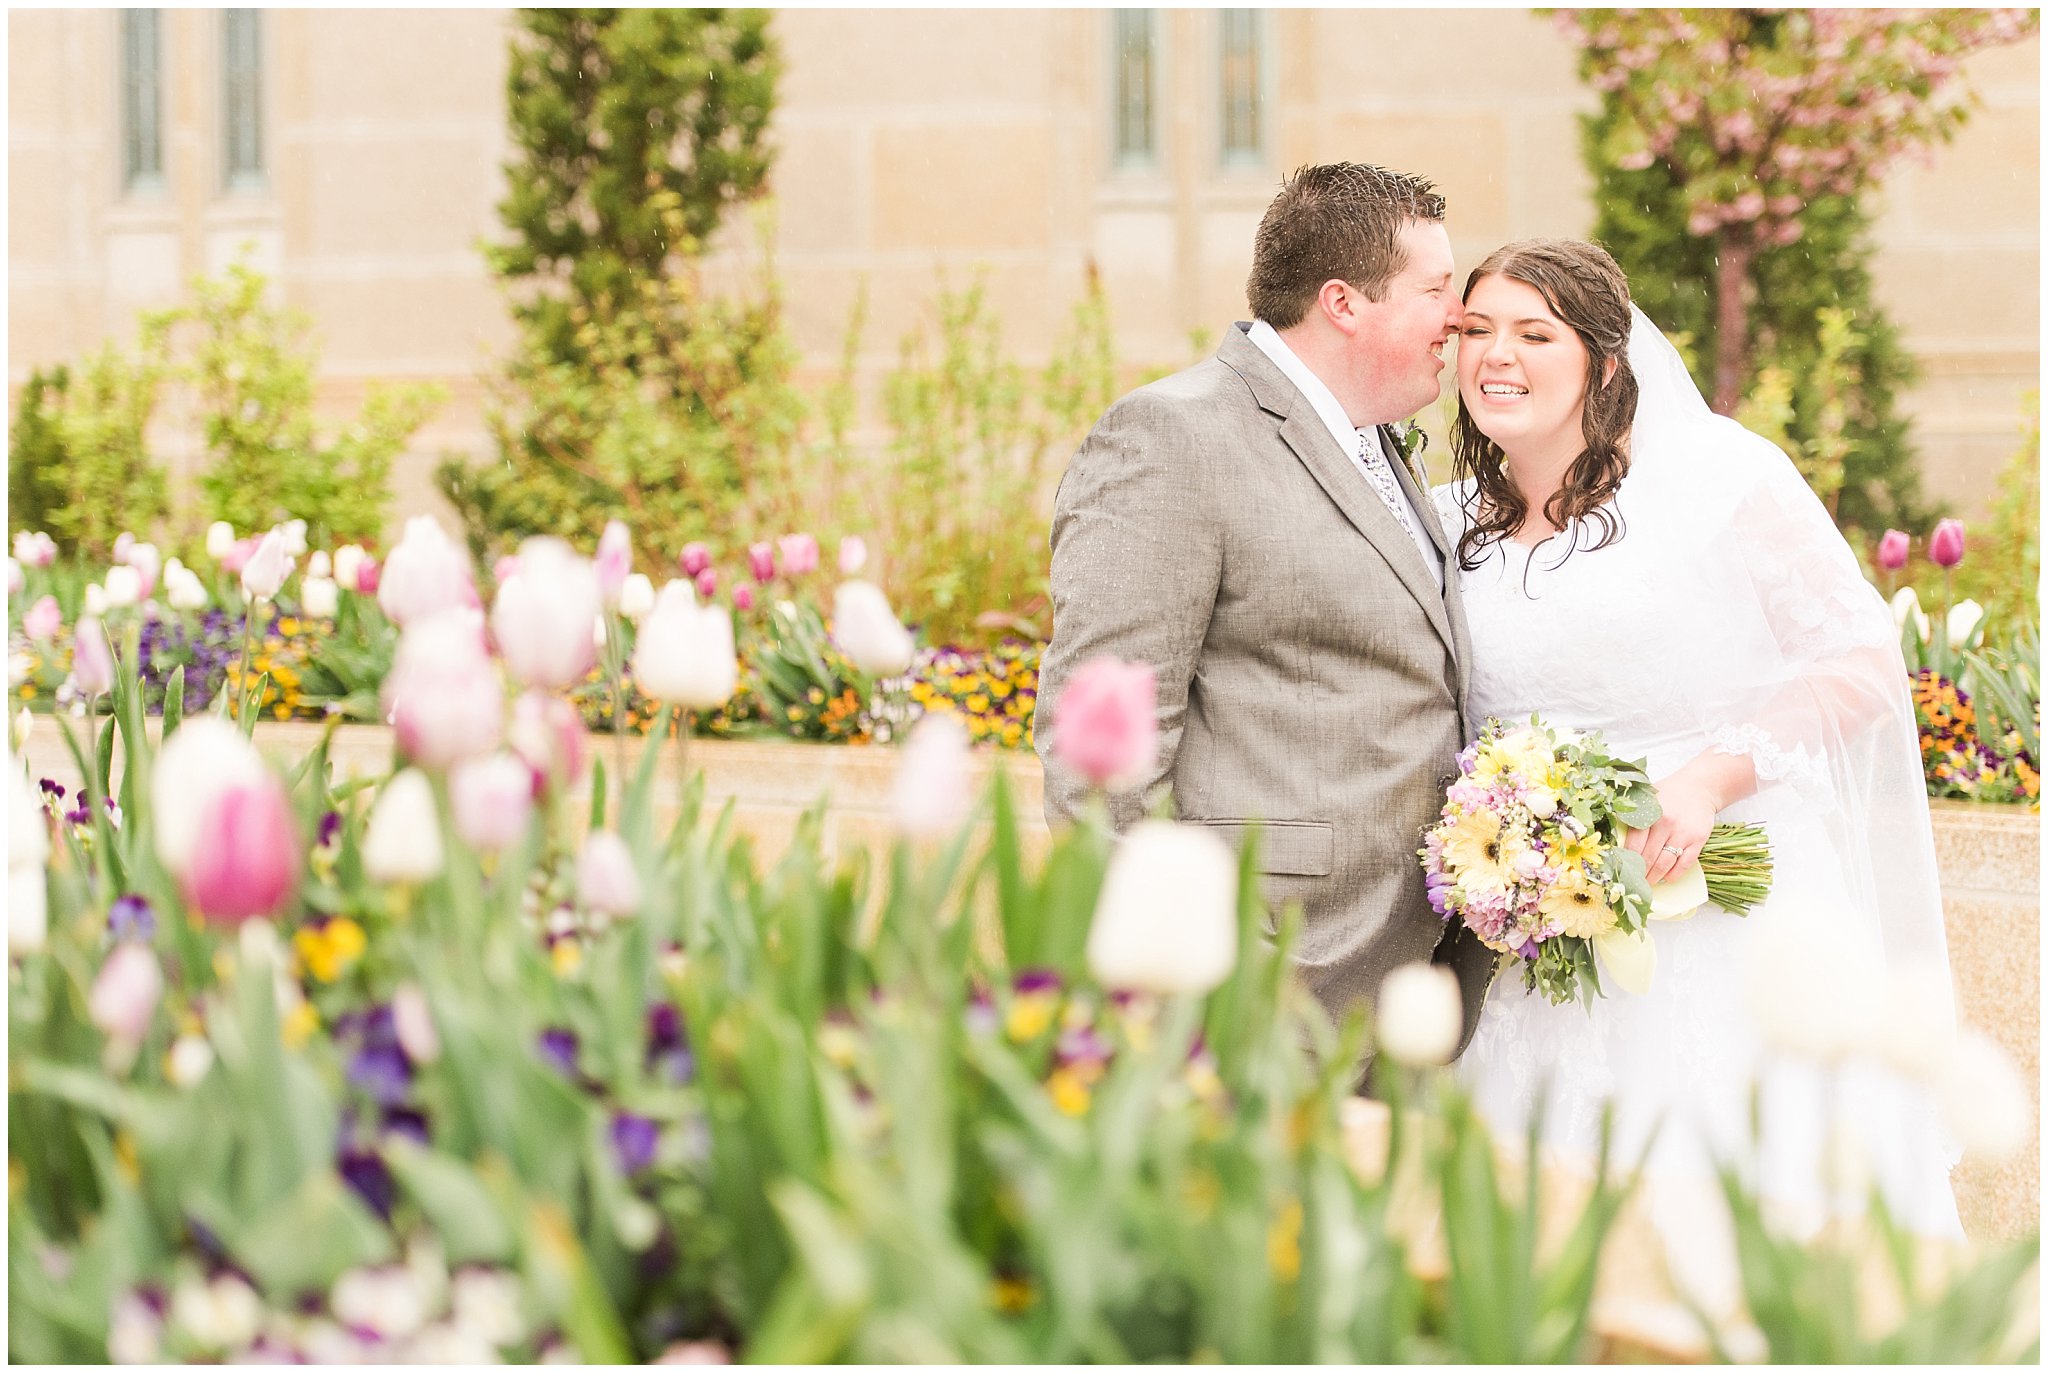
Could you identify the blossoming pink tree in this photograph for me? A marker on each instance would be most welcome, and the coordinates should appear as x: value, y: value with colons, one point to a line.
x: 1757, y: 111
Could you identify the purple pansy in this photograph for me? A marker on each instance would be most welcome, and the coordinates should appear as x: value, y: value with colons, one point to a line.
x: 633, y: 1141
x: 131, y: 918
x: 558, y: 1051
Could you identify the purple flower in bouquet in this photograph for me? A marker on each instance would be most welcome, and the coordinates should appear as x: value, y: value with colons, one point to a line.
x: 633, y: 1140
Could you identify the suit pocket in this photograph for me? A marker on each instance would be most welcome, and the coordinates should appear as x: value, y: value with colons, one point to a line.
x: 1287, y: 848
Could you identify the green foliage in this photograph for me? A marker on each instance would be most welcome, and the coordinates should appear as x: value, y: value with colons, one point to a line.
x: 1833, y: 398
x: 251, y: 365
x: 78, y: 464
x: 2003, y: 569
x: 635, y: 130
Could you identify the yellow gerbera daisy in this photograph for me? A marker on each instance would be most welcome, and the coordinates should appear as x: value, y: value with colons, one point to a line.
x: 1577, y: 906
x: 1477, y: 847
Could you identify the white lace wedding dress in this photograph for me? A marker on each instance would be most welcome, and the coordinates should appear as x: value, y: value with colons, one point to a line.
x: 1729, y: 616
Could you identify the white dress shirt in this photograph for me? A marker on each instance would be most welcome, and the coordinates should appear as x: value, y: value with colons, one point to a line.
x: 1347, y: 436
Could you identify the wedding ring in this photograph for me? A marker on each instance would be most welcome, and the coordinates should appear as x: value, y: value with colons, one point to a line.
x: 1679, y: 852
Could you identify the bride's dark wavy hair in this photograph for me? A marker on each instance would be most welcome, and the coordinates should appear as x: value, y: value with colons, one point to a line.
x: 1586, y: 289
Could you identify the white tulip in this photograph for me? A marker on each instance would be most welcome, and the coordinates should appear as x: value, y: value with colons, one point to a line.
x: 489, y: 1303
x: 135, y: 1335
x: 224, y: 1314
x: 636, y: 597
x: 204, y: 757
x: 606, y: 878
x: 931, y: 796
x: 543, y: 613
x: 685, y: 655
x: 1905, y: 606
x: 492, y: 798
x: 294, y: 532
x: 1984, y: 1099
x: 1420, y: 1015
x: 403, y: 842
x: 385, y: 1300
x: 1919, y: 1025
x: 413, y: 1022
x: 348, y: 564
x: 220, y: 539
x: 24, y: 725
x: 28, y: 850
x: 96, y: 600
x: 1963, y: 619
x: 319, y: 598
x: 124, y: 587
x: 867, y: 630
x: 16, y: 578
x: 185, y: 590
x: 320, y: 564
x: 1166, y: 920
x: 265, y: 572
x: 189, y: 1061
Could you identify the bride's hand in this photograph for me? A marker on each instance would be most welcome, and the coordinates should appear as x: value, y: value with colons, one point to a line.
x: 1672, y: 845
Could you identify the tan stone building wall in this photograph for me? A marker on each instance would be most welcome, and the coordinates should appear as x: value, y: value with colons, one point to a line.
x: 916, y: 147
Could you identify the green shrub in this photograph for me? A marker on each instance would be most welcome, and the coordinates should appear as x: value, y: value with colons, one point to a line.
x: 2003, y: 569
x: 79, y: 466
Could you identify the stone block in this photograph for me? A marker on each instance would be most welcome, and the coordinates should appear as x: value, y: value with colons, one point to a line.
x: 820, y: 183
x: 910, y: 58
x: 978, y: 189
x: 396, y: 193
x: 406, y: 65
x: 1922, y: 286
x: 1986, y: 185
x: 1441, y: 147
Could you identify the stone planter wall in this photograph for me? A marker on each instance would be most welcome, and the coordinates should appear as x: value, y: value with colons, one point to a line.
x: 1989, y: 858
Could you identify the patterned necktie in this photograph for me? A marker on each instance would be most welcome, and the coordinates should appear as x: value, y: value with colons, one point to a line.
x: 1382, y: 476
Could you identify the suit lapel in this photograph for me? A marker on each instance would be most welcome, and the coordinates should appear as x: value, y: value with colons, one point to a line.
x: 1412, y: 486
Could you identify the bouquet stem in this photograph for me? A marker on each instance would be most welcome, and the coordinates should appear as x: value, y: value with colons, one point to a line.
x: 1736, y: 861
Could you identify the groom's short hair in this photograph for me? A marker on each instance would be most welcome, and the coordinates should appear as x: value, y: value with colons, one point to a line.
x: 1339, y: 220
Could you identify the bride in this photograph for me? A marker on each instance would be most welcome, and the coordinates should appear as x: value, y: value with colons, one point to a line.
x: 1633, y: 563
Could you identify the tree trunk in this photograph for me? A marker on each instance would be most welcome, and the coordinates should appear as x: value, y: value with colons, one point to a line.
x: 1737, y: 250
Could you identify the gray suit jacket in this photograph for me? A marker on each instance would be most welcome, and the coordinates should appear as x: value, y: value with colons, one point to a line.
x: 1311, y: 677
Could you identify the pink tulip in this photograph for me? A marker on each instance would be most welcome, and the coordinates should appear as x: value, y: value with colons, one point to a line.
x: 492, y: 798
x: 548, y: 737
x: 799, y: 554
x: 696, y: 557
x: 246, y: 862
x: 853, y: 554
x: 34, y: 549
x: 606, y: 879
x: 707, y: 583
x: 761, y: 560
x: 124, y: 994
x: 614, y: 560
x: 92, y: 658
x: 237, y: 557
x: 43, y: 620
x: 1945, y: 544
x: 17, y: 578
x: 743, y: 597
x: 148, y: 563
x: 544, y: 615
x: 1106, y: 724
x: 1892, y: 550
x: 368, y: 575
x: 263, y: 575
x: 443, y: 696
x: 505, y: 569
x: 425, y: 574
x: 122, y: 544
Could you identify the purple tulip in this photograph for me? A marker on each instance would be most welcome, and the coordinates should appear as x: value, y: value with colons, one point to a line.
x: 696, y: 557
x: 1945, y: 544
x: 633, y: 1141
x: 761, y: 561
x: 1893, y: 549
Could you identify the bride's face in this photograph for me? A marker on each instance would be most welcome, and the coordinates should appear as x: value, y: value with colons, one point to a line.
x: 1521, y: 369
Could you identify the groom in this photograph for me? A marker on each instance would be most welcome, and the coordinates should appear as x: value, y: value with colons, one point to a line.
x: 1251, y: 529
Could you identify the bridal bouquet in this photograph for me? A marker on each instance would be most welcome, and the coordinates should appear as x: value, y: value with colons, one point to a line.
x: 1529, y: 855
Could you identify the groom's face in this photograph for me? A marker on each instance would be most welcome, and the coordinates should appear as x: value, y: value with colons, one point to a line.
x: 1398, y: 350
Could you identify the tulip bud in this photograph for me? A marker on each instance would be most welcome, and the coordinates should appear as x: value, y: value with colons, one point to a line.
x: 696, y: 557
x: 92, y: 658
x: 707, y: 583
x: 1893, y: 549
x: 1420, y: 1015
x: 868, y: 632
x: 1105, y: 725
x: 1166, y: 921
x: 320, y: 564
x: 267, y: 568
x: 932, y: 796
x: 614, y: 560
x: 636, y: 597
x: 403, y: 842
x: 123, y: 999
x: 1963, y: 618
x: 220, y: 537
x: 28, y: 849
x: 492, y: 798
x: 1984, y: 1099
x: 443, y: 695
x: 543, y: 615
x: 1945, y: 544
x: 761, y: 561
x: 203, y: 756
x: 548, y: 737
x: 799, y: 554
x: 853, y: 555
x: 743, y: 597
x: 348, y: 564
x: 425, y: 574
x: 685, y: 655
x: 319, y: 598
x: 606, y: 879
x: 43, y: 620
x: 124, y: 587
x: 246, y: 862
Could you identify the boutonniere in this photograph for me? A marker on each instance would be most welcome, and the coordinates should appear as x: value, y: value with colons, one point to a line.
x: 1410, y: 439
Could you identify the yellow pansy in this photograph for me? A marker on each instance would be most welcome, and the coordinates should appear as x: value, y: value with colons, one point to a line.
x: 1069, y: 1093
x: 1283, y: 1243
x: 299, y: 1024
